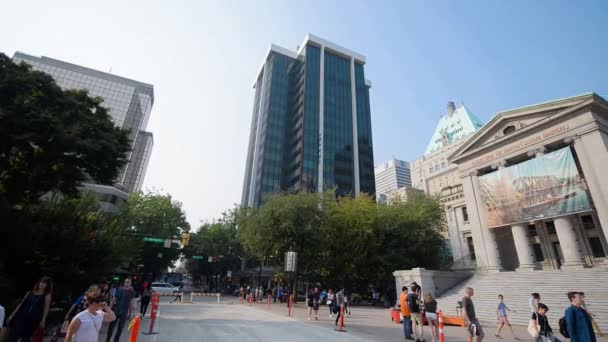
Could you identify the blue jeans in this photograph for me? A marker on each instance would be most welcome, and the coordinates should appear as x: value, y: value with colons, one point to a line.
x: 407, y: 327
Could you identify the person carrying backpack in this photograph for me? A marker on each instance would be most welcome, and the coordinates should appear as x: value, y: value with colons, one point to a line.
x: 577, y: 320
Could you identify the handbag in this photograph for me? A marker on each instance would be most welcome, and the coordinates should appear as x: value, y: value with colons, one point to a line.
x: 533, y: 329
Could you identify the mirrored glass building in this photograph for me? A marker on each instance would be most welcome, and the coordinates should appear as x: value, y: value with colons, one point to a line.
x: 129, y: 104
x: 311, y: 126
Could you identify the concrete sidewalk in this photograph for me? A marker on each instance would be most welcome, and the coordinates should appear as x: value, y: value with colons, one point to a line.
x: 374, y: 324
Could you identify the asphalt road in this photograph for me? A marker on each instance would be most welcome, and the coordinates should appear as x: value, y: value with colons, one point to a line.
x: 210, y: 322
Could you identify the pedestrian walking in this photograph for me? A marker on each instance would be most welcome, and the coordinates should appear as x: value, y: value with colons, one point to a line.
x: 413, y: 303
x: 596, y: 327
x: 80, y: 304
x: 346, y: 303
x: 578, y: 321
x: 86, y: 325
x: 280, y: 293
x: 30, y: 315
x: 331, y: 298
x: 405, y: 312
x: 471, y: 322
x: 274, y: 294
x: 146, y: 296
x: 539, y: 326
x: 105, y: 292
x: 534, y: 300
x: 180, y: 290
x: 430, y: 311
x: 501, y: 314
x: 122, y: 302
x: 313, y: 300
x: 339, y: 305
x: 323, y: 296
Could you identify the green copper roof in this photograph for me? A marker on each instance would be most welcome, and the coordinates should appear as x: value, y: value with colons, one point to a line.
x: 452, y: 128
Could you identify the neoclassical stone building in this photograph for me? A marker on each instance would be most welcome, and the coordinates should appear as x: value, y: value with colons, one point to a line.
x: 535, y: 183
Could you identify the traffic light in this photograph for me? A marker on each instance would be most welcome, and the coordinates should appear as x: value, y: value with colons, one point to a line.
x: 185, y: 239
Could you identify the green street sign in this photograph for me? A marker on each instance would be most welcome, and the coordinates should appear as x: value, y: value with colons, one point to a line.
x: 155, y: 240
x: 197, y: 257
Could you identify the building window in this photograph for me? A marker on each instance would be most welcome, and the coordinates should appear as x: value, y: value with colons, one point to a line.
x: 587, y: 221
x: 596, y: 247
x: 508, y: 130
x: 532, y: 230
x: 431, y: 169
x: 442, y: 165
x: 550, y: 228
x: 465, y: 214
x: 436, y: 167
x: 538, y: 252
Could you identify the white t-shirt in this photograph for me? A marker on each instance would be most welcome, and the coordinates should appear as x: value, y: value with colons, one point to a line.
x: 90, y: 325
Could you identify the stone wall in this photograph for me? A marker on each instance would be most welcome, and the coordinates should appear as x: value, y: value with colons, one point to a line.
x: 435, y: 282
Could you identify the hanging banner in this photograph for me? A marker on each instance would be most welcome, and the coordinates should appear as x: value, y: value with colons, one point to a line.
x: 539, y: 188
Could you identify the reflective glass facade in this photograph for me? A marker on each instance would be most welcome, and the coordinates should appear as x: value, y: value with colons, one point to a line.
x: 305, y: 131
x: 129, y: 104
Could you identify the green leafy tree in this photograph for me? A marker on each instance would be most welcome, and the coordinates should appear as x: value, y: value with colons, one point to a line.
x: 286, y: 222
x: 70, y: 239
x: 156, y: 215
x: 217, y: 239
x: 52, y: 139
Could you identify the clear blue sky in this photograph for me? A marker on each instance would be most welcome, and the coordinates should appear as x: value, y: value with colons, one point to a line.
x: 203, y: 56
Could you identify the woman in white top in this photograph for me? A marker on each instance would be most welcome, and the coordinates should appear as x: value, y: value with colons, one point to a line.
x: 86, y: 325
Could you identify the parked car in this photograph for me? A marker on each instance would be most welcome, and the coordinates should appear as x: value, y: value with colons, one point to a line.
x: 164, y: 288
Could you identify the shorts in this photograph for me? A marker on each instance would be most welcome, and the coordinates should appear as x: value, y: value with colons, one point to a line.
x: 432, y: 316
x: 475, y: 329
x: 315, y: 306
x: 504, y: 320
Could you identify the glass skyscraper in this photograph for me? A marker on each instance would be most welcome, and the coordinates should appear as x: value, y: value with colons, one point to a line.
x: 129, y: 104
x: 311, y: 126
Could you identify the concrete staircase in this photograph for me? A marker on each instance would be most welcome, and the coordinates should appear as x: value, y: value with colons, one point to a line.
x: 517, y: 286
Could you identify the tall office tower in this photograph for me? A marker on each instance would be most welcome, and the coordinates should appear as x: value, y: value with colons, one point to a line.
x: 129, y: 104
x: 311, y: 126
x: 392, y: 175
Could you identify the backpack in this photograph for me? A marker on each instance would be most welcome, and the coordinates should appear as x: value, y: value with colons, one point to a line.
x: 563, y: 327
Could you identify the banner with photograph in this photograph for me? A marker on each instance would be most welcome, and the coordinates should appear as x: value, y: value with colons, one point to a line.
x: 539, y: 188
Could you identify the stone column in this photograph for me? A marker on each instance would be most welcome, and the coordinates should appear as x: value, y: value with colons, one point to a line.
x: 484, y: 239
x: 573, y: 259
x: 525, y: 254
x: 591, y: 150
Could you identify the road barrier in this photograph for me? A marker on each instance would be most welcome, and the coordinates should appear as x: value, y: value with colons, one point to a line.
x: 441, y: 335
x: 175, y: 294
x: 134, y: 328
x: 341, y: 326
x: 155, y: 302
x: 268, y: 302
x: 251, y: 298
x: 198, y: 294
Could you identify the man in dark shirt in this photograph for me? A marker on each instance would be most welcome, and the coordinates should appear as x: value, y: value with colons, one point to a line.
x: 472, y: 324
x: 578, y: 320
x: 122, y: 302
x: 413, y: 303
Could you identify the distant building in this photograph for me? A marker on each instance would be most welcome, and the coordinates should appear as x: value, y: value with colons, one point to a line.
x: 129, y: 104
x: 435, y: 175
x: 392, y: 175
x: 400, y: 194
x: 311, y: 125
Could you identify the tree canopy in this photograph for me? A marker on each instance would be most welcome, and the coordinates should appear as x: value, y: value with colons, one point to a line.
x: 345, y: 240
x: 52, y: 139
